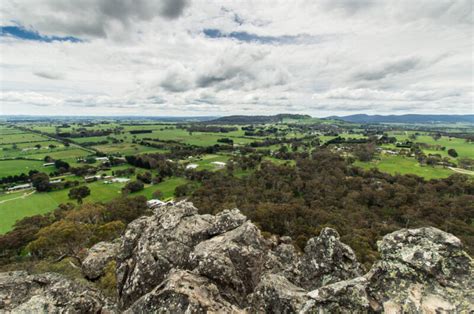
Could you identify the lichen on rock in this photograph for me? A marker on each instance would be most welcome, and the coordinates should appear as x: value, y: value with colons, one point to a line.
x: 179, y: 261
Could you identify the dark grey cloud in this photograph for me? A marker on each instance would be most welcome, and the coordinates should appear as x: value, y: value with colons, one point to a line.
x: 223, y: 74
x: 173, y: 8
x: 94, y: 17
x: 388, y: 69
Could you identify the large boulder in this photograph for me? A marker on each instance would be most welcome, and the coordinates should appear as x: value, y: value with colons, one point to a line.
x: 327, y: 260
x: 98, y: 257
x: 275, y: 294
x: 183, y: 292
x: 21, y: 292
x: 154, y: 245
x: 178, y: 261
x: 421, y: 270
x: 234, y: 260
x: 227, y: 252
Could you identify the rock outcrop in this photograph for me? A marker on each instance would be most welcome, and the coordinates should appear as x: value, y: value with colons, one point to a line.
x: 421, y: 271
x: 21, y: 292
x: 178, y: 261
x: 98, y: 257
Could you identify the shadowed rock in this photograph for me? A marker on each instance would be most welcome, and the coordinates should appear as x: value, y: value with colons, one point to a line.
x: 97, y: 258
x: 178, y: 261
x: 21, y: 292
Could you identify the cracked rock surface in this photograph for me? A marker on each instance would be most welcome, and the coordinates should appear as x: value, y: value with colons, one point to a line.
x: 178, y: 261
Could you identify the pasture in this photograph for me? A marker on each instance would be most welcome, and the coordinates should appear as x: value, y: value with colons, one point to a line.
x: 17, y: 166
x: 405, y: 165
x: 15, y: 206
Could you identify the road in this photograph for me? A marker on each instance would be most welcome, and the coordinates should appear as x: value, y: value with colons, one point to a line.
x: 463, y: 171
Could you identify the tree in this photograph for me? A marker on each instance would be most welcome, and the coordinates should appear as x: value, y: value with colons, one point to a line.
x: 79, y: 193
x: 40, y: 182
x: 62, y: 239
x: 144, y: 177
x: 59, y: 164
x: 365, y: 152
x: 90, y: 160
x: 133, y: 186
x: 452, y: 152
x: 436, y: 136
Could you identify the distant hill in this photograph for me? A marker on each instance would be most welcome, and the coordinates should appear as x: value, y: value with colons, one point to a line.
x: 33, y: 118
x: 407, y: 118
x: 241, y: 119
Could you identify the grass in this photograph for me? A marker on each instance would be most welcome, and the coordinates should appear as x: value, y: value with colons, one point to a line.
x: 18, y: 166
x: 40, y: 203
x: 405, y: 165
x: 66, y: 154
x: 167, y: 187
x: 21, y: 138
x: 206, y: 162
x: 127, y: 149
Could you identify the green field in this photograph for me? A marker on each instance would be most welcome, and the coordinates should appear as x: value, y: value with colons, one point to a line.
x: 15, y: 142
x: 17, y: 138
x: 127, y: 149
x: 15, y: 166
x: 15, y: 206
x: 405, y: 165
x: 206, y: 162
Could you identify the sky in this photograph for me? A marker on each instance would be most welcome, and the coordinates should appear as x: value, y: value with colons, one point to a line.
x: 205, y: 57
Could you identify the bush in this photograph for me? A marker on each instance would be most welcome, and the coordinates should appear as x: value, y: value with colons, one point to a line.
x: 452, y: 152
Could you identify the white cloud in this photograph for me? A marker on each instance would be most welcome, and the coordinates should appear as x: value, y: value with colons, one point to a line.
x: 153, y: 57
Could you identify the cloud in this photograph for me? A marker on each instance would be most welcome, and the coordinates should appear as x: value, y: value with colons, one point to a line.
x: 91, y: 18
x: 298, y: 39
x: 348, y: 7
x: 173, y: 8
x: 50, y: 75
x: 390, y: 68
x: 315, y: 57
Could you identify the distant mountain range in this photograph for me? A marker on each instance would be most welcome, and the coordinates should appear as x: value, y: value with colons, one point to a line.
x: 406, y: 118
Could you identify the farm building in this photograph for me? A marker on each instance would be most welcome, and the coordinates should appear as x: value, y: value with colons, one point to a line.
x: 119, y: 180
x: 219, y: 164
x: 92, y: 178
x: 20, y: 187
x: 191, y: 166
x: 103, y: 159
x: 48, y: 164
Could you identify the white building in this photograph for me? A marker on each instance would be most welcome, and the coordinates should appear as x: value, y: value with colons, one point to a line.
x: 191, y: 166
x: 219, y: 164
x: 20, y: 187
x: 103, y: 159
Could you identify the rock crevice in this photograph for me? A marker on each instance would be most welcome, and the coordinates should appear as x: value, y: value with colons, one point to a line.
x: 182, y: 262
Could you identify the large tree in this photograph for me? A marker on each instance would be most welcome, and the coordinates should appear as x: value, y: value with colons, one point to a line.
x: 40, y: 182
x: 79, y: 193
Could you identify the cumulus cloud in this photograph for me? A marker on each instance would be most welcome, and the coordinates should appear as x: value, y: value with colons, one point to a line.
x: 183, y: 57
x: 94, y: 18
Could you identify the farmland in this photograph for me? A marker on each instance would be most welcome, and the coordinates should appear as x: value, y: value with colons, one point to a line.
x: 172, y: 152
